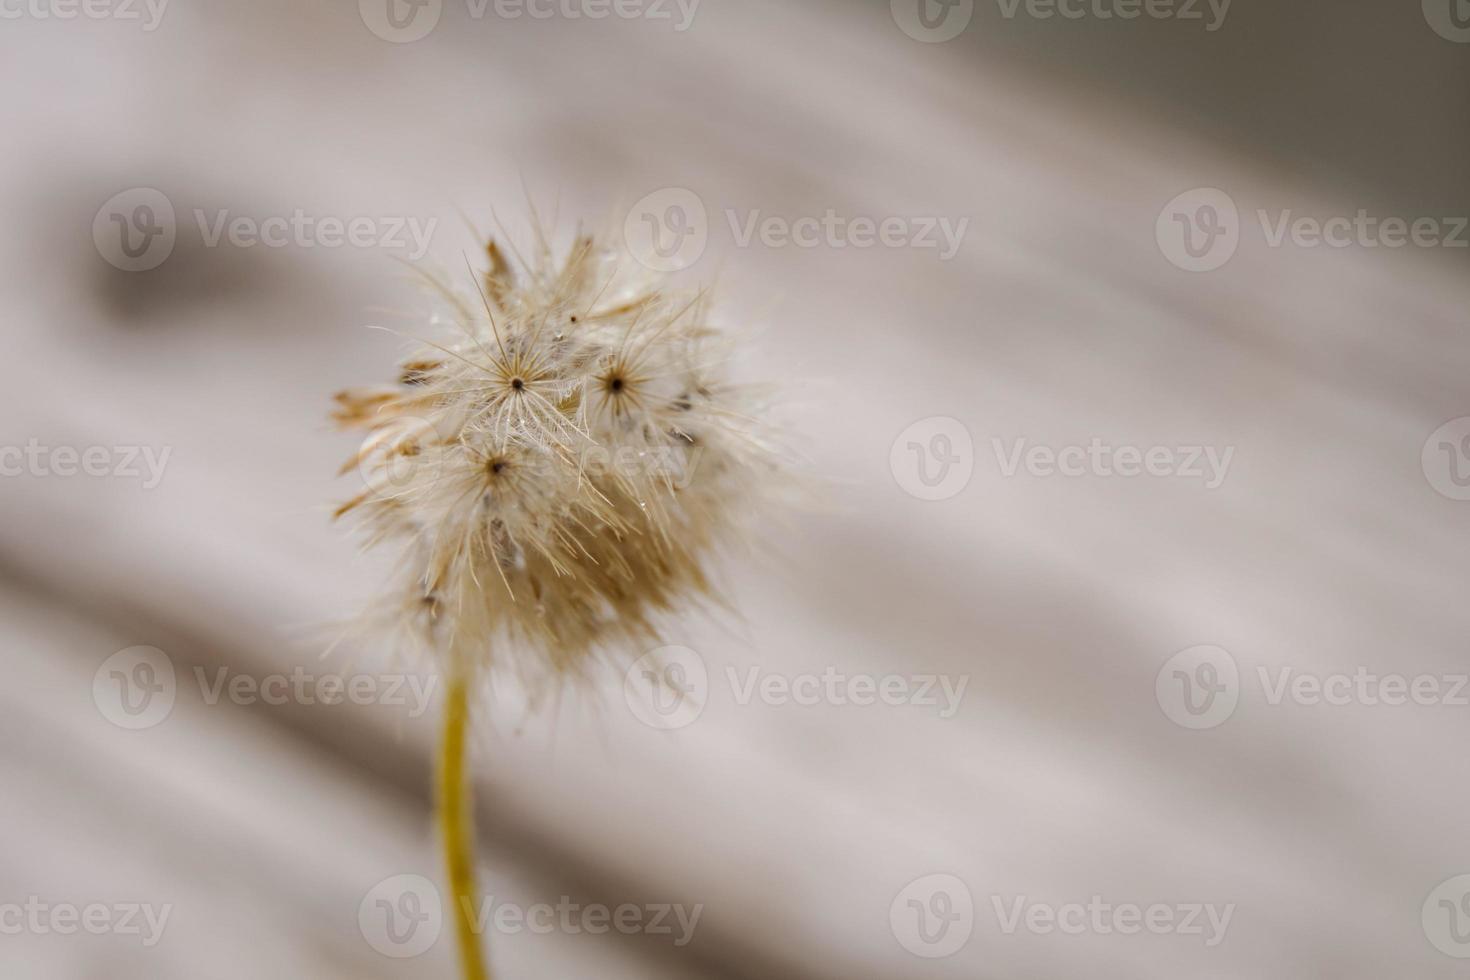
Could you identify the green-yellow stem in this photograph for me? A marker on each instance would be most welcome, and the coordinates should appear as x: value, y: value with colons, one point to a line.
x: 456, y: 826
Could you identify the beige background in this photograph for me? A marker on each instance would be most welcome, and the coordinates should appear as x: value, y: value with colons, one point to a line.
x: 1325, y: 550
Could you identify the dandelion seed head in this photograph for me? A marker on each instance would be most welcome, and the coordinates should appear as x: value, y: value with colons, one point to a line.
x: 559, y: 465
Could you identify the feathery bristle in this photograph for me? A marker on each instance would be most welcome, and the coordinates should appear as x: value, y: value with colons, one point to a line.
x: 560, y: 468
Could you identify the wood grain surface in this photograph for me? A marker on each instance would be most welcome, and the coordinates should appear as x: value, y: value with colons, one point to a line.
x: 1325, y: 550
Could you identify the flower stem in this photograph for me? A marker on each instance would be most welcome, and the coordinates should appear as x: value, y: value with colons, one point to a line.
x: 456, y: 825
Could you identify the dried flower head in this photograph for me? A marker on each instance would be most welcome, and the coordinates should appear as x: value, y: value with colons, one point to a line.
x: 559, y: 466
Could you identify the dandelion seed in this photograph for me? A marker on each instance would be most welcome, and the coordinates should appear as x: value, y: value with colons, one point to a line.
x: 522, y: 550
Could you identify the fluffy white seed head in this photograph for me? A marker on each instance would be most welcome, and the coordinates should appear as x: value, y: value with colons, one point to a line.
x: 559, y: 466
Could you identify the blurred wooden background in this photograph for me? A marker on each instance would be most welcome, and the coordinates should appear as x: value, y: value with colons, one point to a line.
x: 795, y: 828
